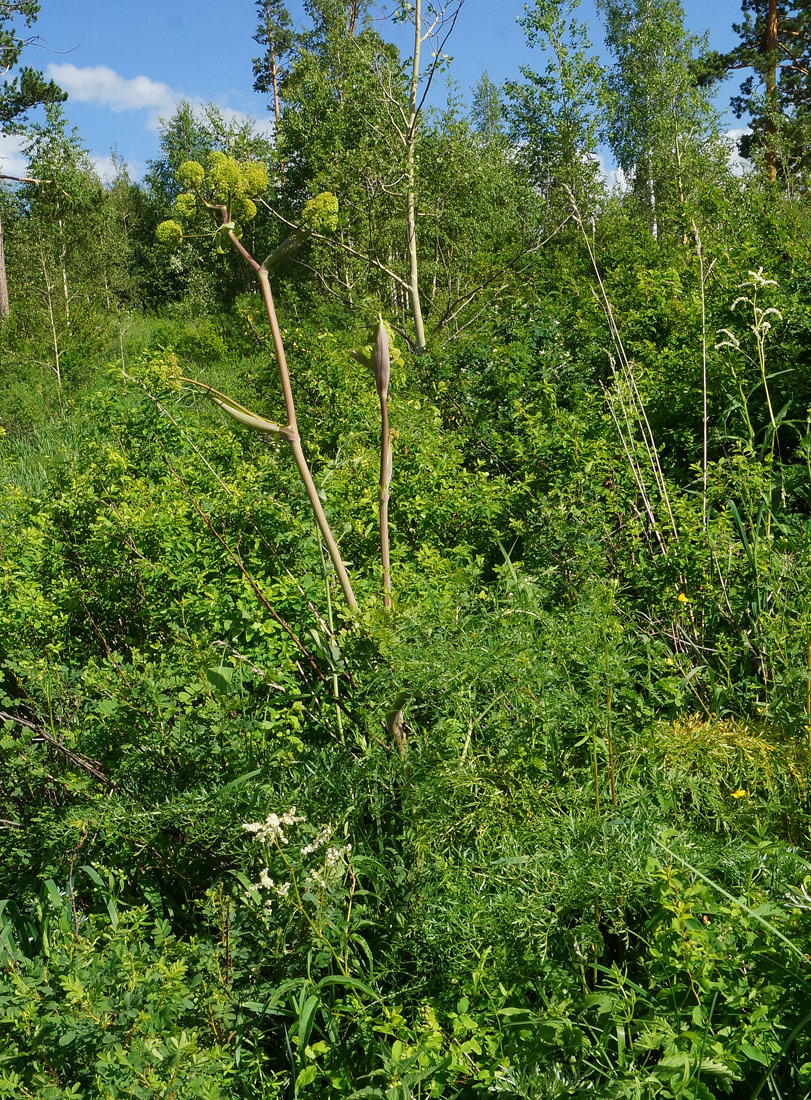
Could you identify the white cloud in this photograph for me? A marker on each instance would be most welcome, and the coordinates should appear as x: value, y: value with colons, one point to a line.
x: 616, y: 179
x: 12, y: 161
x: 614, y: 176
x: 739, y: 165
x: 264, y: 126
x: 103, y: 86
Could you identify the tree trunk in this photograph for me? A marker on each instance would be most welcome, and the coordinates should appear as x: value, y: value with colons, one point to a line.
x: 352, y: 21
x: 652, y: 200
x: 771, y: 90
x: 411, y: 208
x: 274, y: 68
x: 4, y: 304
x: 49, y: 299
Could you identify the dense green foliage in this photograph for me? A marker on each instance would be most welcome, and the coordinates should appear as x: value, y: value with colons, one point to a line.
x: 543, y: 829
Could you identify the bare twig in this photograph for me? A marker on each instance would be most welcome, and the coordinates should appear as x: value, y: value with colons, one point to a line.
x: 92, y: 767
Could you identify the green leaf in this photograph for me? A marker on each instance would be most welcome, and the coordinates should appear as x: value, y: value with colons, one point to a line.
x: 352, y: 983
x: 306, y: 1077
x: 306, y: 1020
x: 755, y: 1055
x: 220, y: 677
x: 93, y: 874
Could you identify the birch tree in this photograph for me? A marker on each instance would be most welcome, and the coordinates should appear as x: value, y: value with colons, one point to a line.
x: 661, y: 124
x: 25, y: 89
x: 554, y: 112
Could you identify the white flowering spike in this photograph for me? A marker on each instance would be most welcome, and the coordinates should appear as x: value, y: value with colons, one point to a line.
x: 272, y: 827
x: 314, y: 845
x: 335, y: 855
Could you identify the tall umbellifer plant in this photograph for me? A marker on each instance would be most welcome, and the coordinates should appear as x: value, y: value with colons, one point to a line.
x: 379, y: 356
x: 223, y: 190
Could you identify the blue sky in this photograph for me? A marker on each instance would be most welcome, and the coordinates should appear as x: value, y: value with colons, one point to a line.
x: 126, y: 64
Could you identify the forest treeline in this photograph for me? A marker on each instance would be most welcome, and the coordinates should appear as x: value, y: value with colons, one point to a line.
x: 405, y: 558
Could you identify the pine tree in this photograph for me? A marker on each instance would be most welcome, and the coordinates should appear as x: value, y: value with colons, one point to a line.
x: 775, y: 42
x: 275, y: 33
x: 27, y: 87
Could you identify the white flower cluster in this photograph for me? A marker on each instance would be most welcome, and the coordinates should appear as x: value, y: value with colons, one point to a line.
x: 333, y: 870
x: 758, y: 279
x: 314, y: 880
x: 314, y: 845
x: 266, y: 883
x: 334, y: 855
x: 272, y: 828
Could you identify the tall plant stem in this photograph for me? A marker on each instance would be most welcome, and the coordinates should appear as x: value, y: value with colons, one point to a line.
x: 637, y: 407
x: 594, y: 732
x: 4, y: 302
x: 292, y: 434
x: 383, y: 497
x: 328, y: 590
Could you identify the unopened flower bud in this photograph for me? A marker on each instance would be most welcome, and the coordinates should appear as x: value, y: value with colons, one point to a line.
x: 382, y: 364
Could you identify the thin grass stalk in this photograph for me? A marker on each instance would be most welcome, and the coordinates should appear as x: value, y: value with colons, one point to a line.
x: 739, y: 902
x: 646, y: 431
x: 608, y: 738
x: 594, y: 731
x: 383, y: 496
x: 641, y: 415
x: 634, y: 465
x: 808, y: 694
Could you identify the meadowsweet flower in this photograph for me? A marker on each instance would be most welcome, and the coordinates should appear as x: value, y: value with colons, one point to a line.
x: 758, y: 279
x: 731, y: 341
x: 265, y: 881
x: 283, y: 889
x: 334, y: 855
x: 272, y: 828
x: 315, y: 880
x: 314, y: 845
